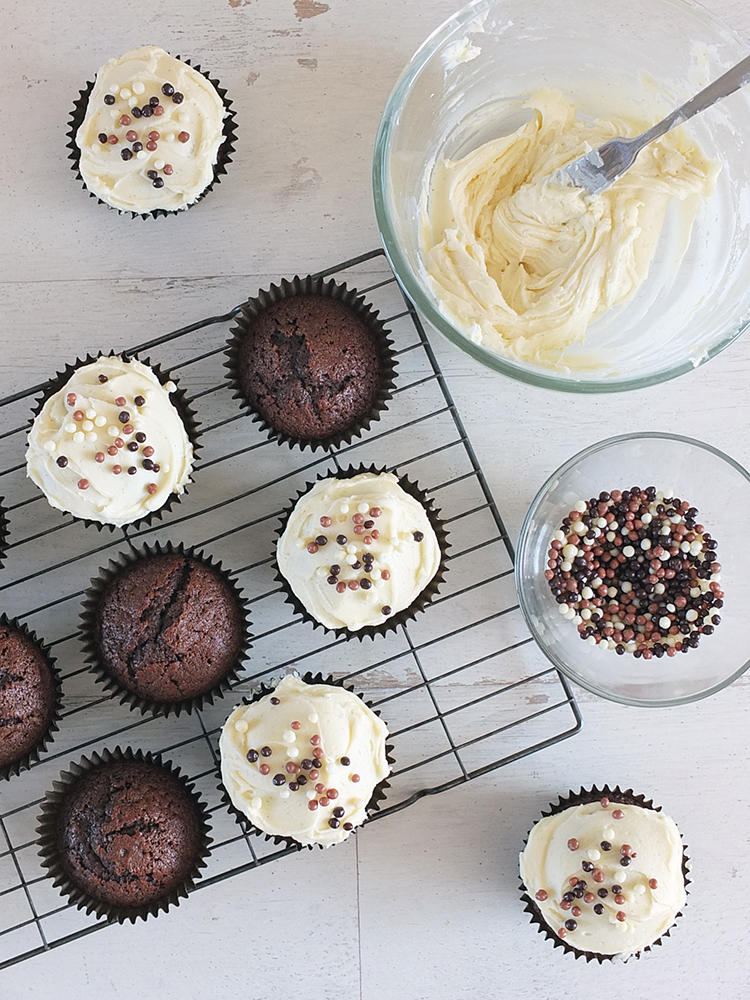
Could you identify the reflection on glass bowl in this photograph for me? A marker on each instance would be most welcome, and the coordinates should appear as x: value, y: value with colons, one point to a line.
x: 469, y: 82
x: 696, y: 472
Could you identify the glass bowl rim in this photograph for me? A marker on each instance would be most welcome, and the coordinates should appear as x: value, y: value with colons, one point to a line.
x: 413, y: 289
x: 523, y: 541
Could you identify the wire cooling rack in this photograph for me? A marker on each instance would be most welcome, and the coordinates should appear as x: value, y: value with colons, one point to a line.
x: 461, y: 687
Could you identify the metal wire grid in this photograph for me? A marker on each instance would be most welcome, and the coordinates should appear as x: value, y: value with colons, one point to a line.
x: 461, y: 688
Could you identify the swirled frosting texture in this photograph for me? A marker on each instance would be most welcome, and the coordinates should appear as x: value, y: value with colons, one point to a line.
x: 652, y: 883
x: 111, y: 415
x: 170, y: 149
x: 323, y: 753
x: 365, y: 521
x: 522, y: 263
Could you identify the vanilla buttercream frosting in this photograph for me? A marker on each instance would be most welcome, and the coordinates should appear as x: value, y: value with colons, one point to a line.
x: 575, y: 861
x: 151, y: 134
x: 304, y: 761
x: 523, y: 263
x: 110, y: 445
x: 356, y: 551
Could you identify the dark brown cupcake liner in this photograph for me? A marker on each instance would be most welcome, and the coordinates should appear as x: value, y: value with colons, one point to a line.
x: 582, y: 797
x: 223, y: 155
x: 421, y: 601
x: 4, y: 529
x: 50, y: 856
x: 30, y: 758
x: 178, y: 399
x: 88, y: 621
x: 357, y: 303
x: 379, y: 792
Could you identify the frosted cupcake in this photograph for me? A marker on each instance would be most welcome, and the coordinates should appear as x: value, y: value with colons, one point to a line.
x: 306, y: 762
x: 605, y: 875
x: 154, y: 135
x: 360, y: 551
x: 108, y: 444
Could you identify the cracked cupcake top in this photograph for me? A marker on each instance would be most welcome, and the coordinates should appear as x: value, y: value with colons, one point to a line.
x: 167, y: 627
x: 128, y: 833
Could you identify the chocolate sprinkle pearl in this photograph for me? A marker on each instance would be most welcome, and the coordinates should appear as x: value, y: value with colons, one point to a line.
x: 153, y: 101
x: 135, y: 112
x: 332, y: 580
x: 126, y: 154
x: 152, y: 175
x: 335, y: 569
x: 306, y: 763
x: 541, y: 895
x: 103, y: 378
x: 571, y: 925
x: 62, y: 461
x: 147, y: 111
x: 386, y: 609
x: 152, y: 488
x: 573, y: 844
x: 339, y: 811
x: 365, y: 584
x: 109, y: 98
x: 102, y: 137
x: 183, y: 136
x: 605, y: 845
x: 279, y: 779
x: 334, y: 823
x: 617, y: 889
x: 177, y: 97
x: 652, y: 883
x: 345, y: 761
x: 123, y: 416
x: 252, y: 756
x: 586, y: 865
x: 266, y: 751
x: 132, y: 470
x: 293, y: 786
x: 618, y: 814
x: 137, y: 146
x: 348, y: 826
x: 301, y: 779
x: 341, y: 539
x: 83, y: 484
x: 140, y: 401
x: 622, y: 917
x: 599, y: 908
x: 132, y: 446
x: 603, y: 892
x: 312, y: 805
x: 625, y: 861
x: 146, y: 463
x: 321, y: 540
x: 159, y: 182
x: 275, y: 701
x: 418, y: 536
x: 167, y: 90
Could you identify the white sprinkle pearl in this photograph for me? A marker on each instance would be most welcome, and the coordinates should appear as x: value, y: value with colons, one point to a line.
x: 344, y: 508
x: 256, y: 802
x: 594, y: 855
x: 125, y: 93
x: 580, y: 506
x: 284, y: 793
x: 141, y: 155
x: 100, y: 421
x: 289, y: 736
x: 312, y: 717
x: 628, y: 551
x: 363, y: 508
x: 639, y: 889
x: 113, y: 432
x: 293, y: 752
x: 79, y: 436
x: 646, y: 544
x: 50, y: 446
x: 691, y: 615
x: 138, y: 87
x: 609, y: 833
x: 158, y: 164
x: 71, y: 428
x: 578, y: 527
x: 311, y: 793
x: 351, y: 560
x: 241, y: 726
x: 132, y: 101
x: 87, y: 425
x: 91, y: 436
x: 665, y: 622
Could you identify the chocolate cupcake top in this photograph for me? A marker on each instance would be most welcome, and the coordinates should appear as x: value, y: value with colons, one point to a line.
x: 356, y: 551
x: 605, y: 876
x: 110, y: 446
x: 310, y: 366
x: 151, y: 134
x: 303, y: 762
x: 27, y: 695
x: 168, y: 627
x: 128, y: 832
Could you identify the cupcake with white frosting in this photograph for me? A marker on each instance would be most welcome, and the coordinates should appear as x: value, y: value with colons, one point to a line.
x: 306, y: 763
x: 109, y: 443
x: 604, y: 874
x: 361, y: 552
x: 152, y: 134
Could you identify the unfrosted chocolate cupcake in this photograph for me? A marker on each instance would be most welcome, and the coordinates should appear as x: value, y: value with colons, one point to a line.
x: 123, y: 834
x: 312, y: 361
x: 29, y: 697
x: 167, y: 626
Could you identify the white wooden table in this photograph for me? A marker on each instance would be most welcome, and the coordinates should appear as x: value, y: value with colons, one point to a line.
x: 423, y: 904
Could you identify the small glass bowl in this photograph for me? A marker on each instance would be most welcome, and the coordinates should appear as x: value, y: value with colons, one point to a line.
x: 708, y: 480
x: 469, y: 82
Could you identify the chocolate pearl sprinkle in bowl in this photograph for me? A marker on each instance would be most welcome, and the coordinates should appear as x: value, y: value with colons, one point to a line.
x: 709, y: 481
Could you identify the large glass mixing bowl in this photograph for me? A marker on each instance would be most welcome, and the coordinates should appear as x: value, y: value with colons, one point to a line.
x: 708, y: 480
x: 468, y: 84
